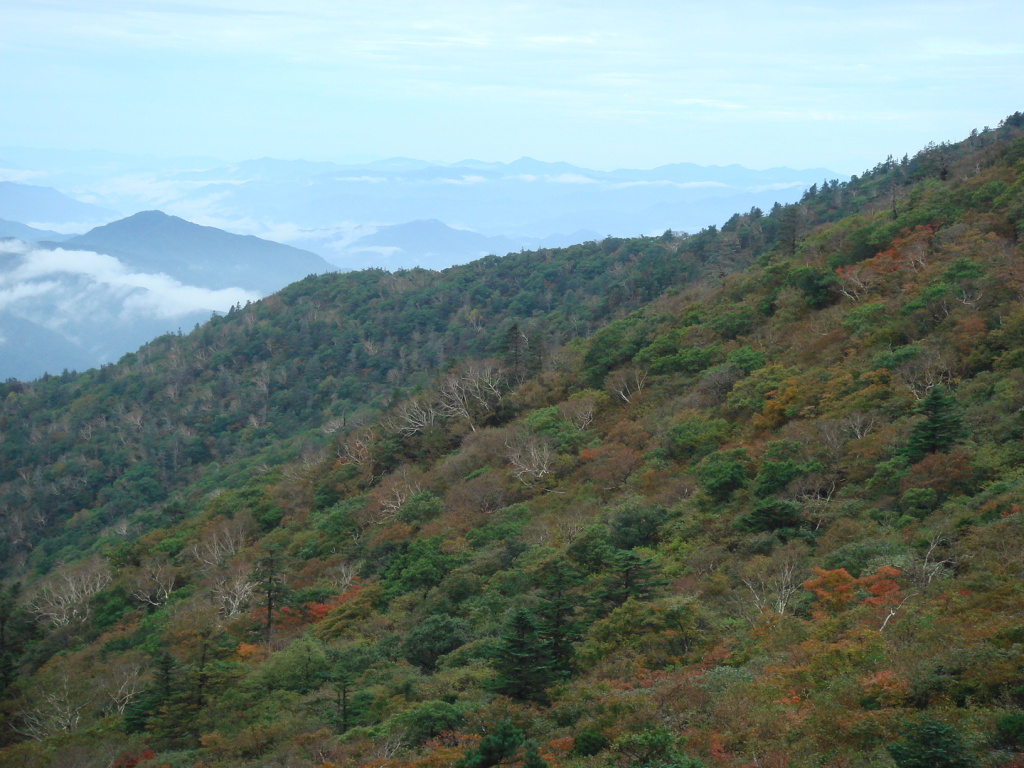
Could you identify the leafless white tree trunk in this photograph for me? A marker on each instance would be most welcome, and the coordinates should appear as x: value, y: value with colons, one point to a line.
x: 773, y: 580
x: 123, y: 678
x: 232, y: 586
x: 358, y: 448
x: 625, y: 383
x: 63, y: 596
x: 530, y: 457
x: 392, y: 494
x: 342, y: 575
x: 579, y: 411
x: 859, y: 424
x: 153, y: 581
x: 471, y: 392
x: 54, y: 708
x: 221, y: 539
x: 414, y: 416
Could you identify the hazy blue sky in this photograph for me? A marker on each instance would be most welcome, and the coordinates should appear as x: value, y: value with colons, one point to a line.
x: 601, y: 83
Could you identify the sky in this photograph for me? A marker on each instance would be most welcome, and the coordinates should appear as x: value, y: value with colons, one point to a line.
x: 599, y: 83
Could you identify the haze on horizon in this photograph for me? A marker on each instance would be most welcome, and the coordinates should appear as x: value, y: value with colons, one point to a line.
x: 602, y: 84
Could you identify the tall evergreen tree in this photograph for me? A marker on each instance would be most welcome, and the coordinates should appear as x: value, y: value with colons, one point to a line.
x: 144, y: 708
x: 523, y: 659
x: 629, y: 574
x: 8, y: 605
x: 931, y: 744
x: 940, y: 428
x: 270, y: 573
x: 494, y: 747
x: 558, y: 581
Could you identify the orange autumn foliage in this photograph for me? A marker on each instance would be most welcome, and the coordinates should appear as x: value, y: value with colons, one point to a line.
x: 886, y: 687
x: 288, y: 618
x: 836, y: 590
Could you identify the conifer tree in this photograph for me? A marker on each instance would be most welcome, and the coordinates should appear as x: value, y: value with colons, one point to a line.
x: 270, y: 573
x: 630, y: 574
x: 931, y: 744
x: 532, y: 758
x: 940, y: 428
x: 558, y: 580
x: 143, y: 709
x: 493, y: 747
x: 523, y: 659
x: 8, y: 605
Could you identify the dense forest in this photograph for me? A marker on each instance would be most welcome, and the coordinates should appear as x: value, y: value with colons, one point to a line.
x: 746, y: 497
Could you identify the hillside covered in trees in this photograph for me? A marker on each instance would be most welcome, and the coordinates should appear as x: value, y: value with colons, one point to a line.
x: 751, y: 496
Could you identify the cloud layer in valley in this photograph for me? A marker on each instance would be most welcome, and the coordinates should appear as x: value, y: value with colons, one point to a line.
x: 76, y: 309
x: 37, y: 273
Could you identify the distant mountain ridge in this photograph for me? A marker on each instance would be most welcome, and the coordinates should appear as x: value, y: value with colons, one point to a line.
x: 326, y: 206
x: 29, y: 349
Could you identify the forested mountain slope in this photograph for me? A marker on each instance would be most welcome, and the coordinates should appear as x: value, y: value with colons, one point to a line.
x: 540, y: 509
x: 107, y: 446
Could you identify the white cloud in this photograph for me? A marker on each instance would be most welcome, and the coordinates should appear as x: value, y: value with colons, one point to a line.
x: 779, y: 185
x: 18, y: 292
x: 11, y: 174
x: 128, y: 192
x: 678, y: 184
x: 464, y: 180
x: 303, y: 237
x: 73, y: 278
x: 380, y: 250
x: 367, y: 179
x: 571, y: 178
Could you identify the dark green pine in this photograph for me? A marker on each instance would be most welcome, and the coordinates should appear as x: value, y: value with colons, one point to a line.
x: 523, y: 659
x: 940, y: 428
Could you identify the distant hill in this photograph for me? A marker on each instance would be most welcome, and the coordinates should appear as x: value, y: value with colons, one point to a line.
x: 29, y: 234
x: 28, y: 350
x: 91, y: 298
x: 43, y: 205
x: 152, y: 241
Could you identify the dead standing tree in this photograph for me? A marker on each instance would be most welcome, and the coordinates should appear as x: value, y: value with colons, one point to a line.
x: 153, y: 581
x: 472, y: 393
x: 63, y: 596
x: 530, y: 457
